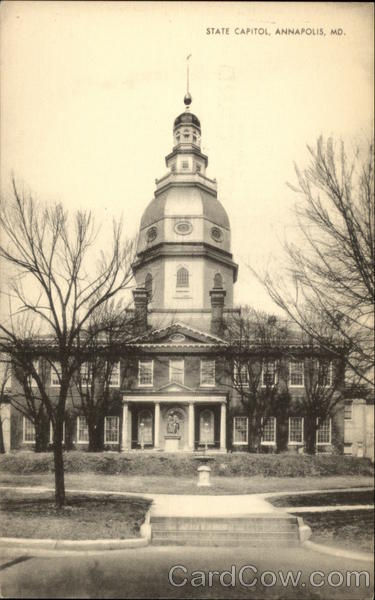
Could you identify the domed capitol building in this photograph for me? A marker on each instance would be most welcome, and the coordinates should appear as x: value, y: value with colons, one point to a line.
x: 178, y: 390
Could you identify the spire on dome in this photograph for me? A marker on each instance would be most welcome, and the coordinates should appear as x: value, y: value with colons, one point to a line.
x: 187, y: 99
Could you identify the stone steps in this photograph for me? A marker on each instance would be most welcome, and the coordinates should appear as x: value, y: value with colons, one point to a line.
x: 250, y: 530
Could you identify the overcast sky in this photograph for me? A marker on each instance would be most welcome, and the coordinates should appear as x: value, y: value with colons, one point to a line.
x: 90, y: 91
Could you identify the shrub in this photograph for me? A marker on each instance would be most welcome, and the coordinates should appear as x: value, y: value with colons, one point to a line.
x: 185, y: 465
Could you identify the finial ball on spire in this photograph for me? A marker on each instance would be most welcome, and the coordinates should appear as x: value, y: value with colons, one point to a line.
x: 188, y: 99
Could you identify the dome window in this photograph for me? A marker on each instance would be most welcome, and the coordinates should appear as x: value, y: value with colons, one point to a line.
x: 183, y: 227
x: 148, y: 285
x: 182, y: 278
x: 152, y: 234
x: 217, y: 234
x: 218, y: 281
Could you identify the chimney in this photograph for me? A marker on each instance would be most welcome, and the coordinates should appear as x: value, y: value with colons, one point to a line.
x: 217, y: 308
x: 140, y: 295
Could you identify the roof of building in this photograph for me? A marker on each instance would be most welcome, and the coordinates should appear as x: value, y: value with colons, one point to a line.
x: 187, y: 118
x: 185, y: 200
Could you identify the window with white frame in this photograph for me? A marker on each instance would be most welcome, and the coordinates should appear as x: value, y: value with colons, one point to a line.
x: 240, y: 430
x: 111, y: 430
x: 241, y: 375
x: 55, y: 374
x: 348, y: 411
x: 32, y: 381
x: 268, y: 374
x: 296, y: 373
x: 295, y: 430
x: 51, y: 432
x: 176, y: 371
x: 325, y: 373
x: 207, y: 373
x: 28, y: 431
x: 114, y: 378
x: 182, y: 280
x: 145, y: 373
x: 323, y: 433
x: 86, y: 373
x: 82, y: 430
x: 269, y: 430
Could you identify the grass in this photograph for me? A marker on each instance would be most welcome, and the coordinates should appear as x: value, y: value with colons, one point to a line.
x: 349, y: 529
x: 188, y: 485
x: 330, y: 499
x: 238, y: 464
x: 84, y: 517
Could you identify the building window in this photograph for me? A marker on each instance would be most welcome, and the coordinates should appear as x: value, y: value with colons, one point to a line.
x: 28, y: 431
x: 197, y: 168
x: 207, y: 373
x: 240, y: 431
x: 323, y: 433
x: 296, y: 373
x: 86, y: 373
x: 182, y: 277
x: 268, y: 374
x: 325, y: 371
x: 185, y: 164
x: 148, y: 285
x: 295, y: 430
x: 241, y: 375
x: 173, y: 167
x: 269, y: 430
x: 218, y: 281
x: 176, y: 371
x: 51, y: 432
x: 194, y: 138
x: 55, y: 374
x: 82, y: 430
x: 114, y: 377
x: 111, y: 430
x: 348, y: 411
x: 146, y: 373
x: 32, y: 381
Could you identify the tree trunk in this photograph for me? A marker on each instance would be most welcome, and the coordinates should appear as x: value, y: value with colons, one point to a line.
x: 40, y: 436
x: 2, y: 447
x: 310, y: 436
x: 59, y: 473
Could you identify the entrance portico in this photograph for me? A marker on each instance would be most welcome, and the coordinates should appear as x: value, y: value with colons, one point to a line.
x: 174, y: 422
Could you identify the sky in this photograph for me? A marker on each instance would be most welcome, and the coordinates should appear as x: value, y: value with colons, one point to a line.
x: 90, y: 91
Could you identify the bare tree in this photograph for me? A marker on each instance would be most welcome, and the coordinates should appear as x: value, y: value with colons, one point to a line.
x: 59, y: 281
x: 331, y: 272
x: 256, y: 344
x: 323, y: 391
x: 99, y: 378
x: 5, y: 380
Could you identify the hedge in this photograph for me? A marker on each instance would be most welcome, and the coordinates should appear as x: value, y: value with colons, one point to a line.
x: 185, y: 465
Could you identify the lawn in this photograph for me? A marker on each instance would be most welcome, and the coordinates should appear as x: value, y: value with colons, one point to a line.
x: 157, y: 484
x: 349, y: 529
x: 84, y: 517
x: 329, y: 499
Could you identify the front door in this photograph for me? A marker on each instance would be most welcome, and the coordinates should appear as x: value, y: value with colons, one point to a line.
x: 145, y: 427
x: 207, y: 427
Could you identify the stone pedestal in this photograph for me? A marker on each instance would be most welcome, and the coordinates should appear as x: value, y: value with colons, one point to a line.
x: 172, y: 443
x: 204, y: 476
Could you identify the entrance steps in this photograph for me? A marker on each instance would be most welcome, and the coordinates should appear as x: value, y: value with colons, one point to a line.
x: 245, y: 530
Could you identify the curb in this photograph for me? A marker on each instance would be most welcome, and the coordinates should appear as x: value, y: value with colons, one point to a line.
x: 334, y: 551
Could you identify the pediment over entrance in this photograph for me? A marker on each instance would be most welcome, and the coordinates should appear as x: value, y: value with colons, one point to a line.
x: 178, y: 334
x: 175, y: 387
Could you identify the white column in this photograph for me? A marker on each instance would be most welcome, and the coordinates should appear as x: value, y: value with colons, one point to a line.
x: 191, y: 427
x: 124, y: 431
x: 223, y: 427
x: 157, y: 425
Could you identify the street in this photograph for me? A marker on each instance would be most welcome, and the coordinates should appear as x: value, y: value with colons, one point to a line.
x: 145, y: 573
